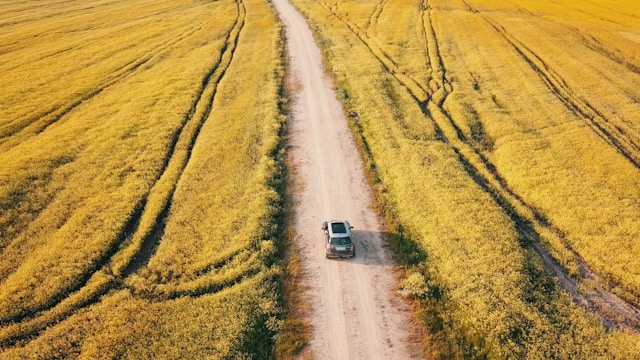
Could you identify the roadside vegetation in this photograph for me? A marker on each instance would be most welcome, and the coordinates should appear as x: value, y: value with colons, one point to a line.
x: 503, y: 142
x: 140, y: 179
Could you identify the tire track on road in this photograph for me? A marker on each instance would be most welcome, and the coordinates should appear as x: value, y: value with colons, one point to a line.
x: 352, y: 314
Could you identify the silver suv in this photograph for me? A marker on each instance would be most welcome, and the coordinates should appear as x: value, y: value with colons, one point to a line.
x: 338, y: 241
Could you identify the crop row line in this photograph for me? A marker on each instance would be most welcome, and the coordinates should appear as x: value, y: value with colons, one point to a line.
x: 597, y: 121
x: 204, y: 284
x: 527, y: 219
x: 440, y: 85
x: 386, y: 61
x: 140, y: 236
x: 530, y: 224
x: 34, y: 124
x: 35, y: 9
x: 180, y: 153
x: 372, y: 23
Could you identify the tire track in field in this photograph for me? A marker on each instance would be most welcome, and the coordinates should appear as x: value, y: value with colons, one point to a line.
x: 33, y: 19
x: 123, y: 73
x: 596, y: 121
x: 30, y: 10
x: 614, y: 311
x: 594, y: 44
x: 424, y: 8
x: 13, y: 134
x: 204, y: 283
x: 436, y: 86
x: 385, y: 60
x: 372, y: 23
x: 439, y: 84
x: 31, y: 324
x: 185, y: 139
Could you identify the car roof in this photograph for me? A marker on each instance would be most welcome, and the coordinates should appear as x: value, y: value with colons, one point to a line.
x: 339, y: 228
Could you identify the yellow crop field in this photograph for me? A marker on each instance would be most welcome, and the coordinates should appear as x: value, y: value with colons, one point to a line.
x: 503, y: 140
x: 141, y: 172
x: 140, y: 178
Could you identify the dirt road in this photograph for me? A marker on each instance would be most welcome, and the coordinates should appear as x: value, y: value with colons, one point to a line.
x: 354, y: 311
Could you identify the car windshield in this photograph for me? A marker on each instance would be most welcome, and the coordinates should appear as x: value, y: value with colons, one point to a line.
x: 341, y: 241
x: 338, y: 228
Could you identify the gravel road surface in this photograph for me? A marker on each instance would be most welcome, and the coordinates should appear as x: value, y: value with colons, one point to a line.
x: 355, y: 311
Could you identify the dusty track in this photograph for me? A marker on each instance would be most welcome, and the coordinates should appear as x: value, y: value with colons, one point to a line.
x: 354, y: 312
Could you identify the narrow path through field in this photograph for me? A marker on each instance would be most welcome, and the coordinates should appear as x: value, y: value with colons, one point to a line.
x: 354, y: 312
